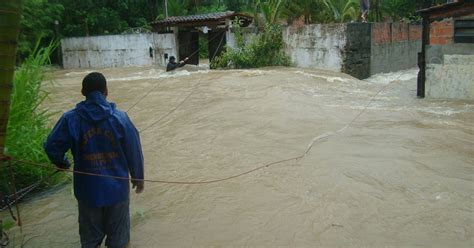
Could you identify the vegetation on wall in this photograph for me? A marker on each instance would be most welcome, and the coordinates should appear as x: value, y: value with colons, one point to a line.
x: 265, y: 49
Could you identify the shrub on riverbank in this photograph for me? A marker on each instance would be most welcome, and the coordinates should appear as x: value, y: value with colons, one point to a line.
x: 28, y: 125
x: 265, y: 49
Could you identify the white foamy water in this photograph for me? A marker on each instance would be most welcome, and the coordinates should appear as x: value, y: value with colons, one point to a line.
x: 386, y: 78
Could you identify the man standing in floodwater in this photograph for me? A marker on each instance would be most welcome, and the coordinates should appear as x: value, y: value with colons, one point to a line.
x: 172, y: 65
x: 103, y: 141
x: 364, y: 9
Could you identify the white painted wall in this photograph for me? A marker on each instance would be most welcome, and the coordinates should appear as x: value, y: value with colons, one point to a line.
x: 248, y: 34
x: 316, y: 45
x: 117, y: 50
x: 452, y: 79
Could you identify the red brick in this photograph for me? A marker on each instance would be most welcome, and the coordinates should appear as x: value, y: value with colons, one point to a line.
x: 415, y: 32
x: 399, y: 32
x: 381, y: 33
x: 435, y: 41
x: 446, y: 32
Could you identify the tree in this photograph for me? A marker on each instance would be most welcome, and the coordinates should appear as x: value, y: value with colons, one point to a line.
x: 9, y: 30
x: 37, y: 22
x: 343, y: 10
x: 271, y: 10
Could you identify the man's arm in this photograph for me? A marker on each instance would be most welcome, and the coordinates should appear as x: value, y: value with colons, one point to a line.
x: 171, y: 67
x: 134, y: 155
x: 183, y: 62
x: 58, y: 143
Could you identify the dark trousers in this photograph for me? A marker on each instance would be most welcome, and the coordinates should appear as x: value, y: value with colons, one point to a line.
x: 112, y: 222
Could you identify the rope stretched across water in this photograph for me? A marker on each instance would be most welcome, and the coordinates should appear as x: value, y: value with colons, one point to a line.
x: 158, y: 181
x: 297, y: 158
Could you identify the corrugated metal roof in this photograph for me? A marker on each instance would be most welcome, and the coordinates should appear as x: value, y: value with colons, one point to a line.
x: 196, y: 18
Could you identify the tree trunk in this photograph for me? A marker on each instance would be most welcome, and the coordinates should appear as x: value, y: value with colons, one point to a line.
x: 9, y: 29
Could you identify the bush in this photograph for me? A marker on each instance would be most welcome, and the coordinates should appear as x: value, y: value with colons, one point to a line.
x: 28, y: 125
x: 265, y: 49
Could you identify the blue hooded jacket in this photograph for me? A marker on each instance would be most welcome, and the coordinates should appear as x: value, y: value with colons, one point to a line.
x: 104, y: 141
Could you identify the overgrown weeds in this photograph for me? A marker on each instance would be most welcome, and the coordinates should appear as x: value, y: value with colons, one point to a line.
x: 264, y: 49
x: 28, y: 124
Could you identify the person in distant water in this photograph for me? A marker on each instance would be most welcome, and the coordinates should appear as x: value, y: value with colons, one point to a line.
x: 104, y: 141
x: 364, y: 9
x: 172, y: 65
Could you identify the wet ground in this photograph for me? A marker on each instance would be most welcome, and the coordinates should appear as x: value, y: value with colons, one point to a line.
x: 370, y: 164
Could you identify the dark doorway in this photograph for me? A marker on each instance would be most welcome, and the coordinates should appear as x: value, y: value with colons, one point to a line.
x: 189, y: 46
x: 217, y: 42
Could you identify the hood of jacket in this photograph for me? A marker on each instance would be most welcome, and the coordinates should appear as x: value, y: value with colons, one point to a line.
x: 95, y: 108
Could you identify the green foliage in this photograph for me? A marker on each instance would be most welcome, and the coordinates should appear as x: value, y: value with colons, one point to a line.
x: 265, y: 49
x: 176, y: 7
x: 271, y: 10
x: 214, y: 7
x: 84, y: 18
x: 203, y: 48
x: 28, y: 125
x: 38, y: 17
x: 311, y: 10
x: 7, y: 224
x: 399, y: 9
x: 343, y: 10
x: 94, y: 17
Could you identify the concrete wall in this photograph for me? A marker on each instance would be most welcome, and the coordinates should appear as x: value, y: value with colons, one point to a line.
x: 357, y: 52
x: 316, y: 45
x: 248, y: 34
x: 117, y: 50
x: 358, y: 49
x: 395, y: 46
x: 450, y: 71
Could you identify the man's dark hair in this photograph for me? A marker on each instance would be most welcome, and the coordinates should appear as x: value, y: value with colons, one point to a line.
x: 94, y: 81
x: 172, y: 59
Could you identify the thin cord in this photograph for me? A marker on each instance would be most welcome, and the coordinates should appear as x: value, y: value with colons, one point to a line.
x: 326, y: 135
x: 219, y: 46
x: 298, y: 158
x: 153, y: 88
x: 173, y: 110
x: 160, y: 181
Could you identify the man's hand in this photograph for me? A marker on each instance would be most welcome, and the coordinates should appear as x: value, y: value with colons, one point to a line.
x: 139, y: 186
x: 186, y: 59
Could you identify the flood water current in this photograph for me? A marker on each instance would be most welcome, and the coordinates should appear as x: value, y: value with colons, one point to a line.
x: 364, y: 163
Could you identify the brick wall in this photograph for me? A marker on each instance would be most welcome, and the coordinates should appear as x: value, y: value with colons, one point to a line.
x: 415, y: 32
x: 399, y: 32
x: 442, y: 32
x: 359, y: 49
x: 381, y: 32
x: 394, y: 46
x: 395, y: 32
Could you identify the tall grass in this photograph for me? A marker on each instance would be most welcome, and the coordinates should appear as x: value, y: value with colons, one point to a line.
x: 28, y: 125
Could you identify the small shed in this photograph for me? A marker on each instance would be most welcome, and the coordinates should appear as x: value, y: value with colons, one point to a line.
x: 447, y: 58
x: 188, y: 29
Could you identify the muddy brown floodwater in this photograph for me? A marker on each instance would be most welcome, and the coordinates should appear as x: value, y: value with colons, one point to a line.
x: 400, y: 175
